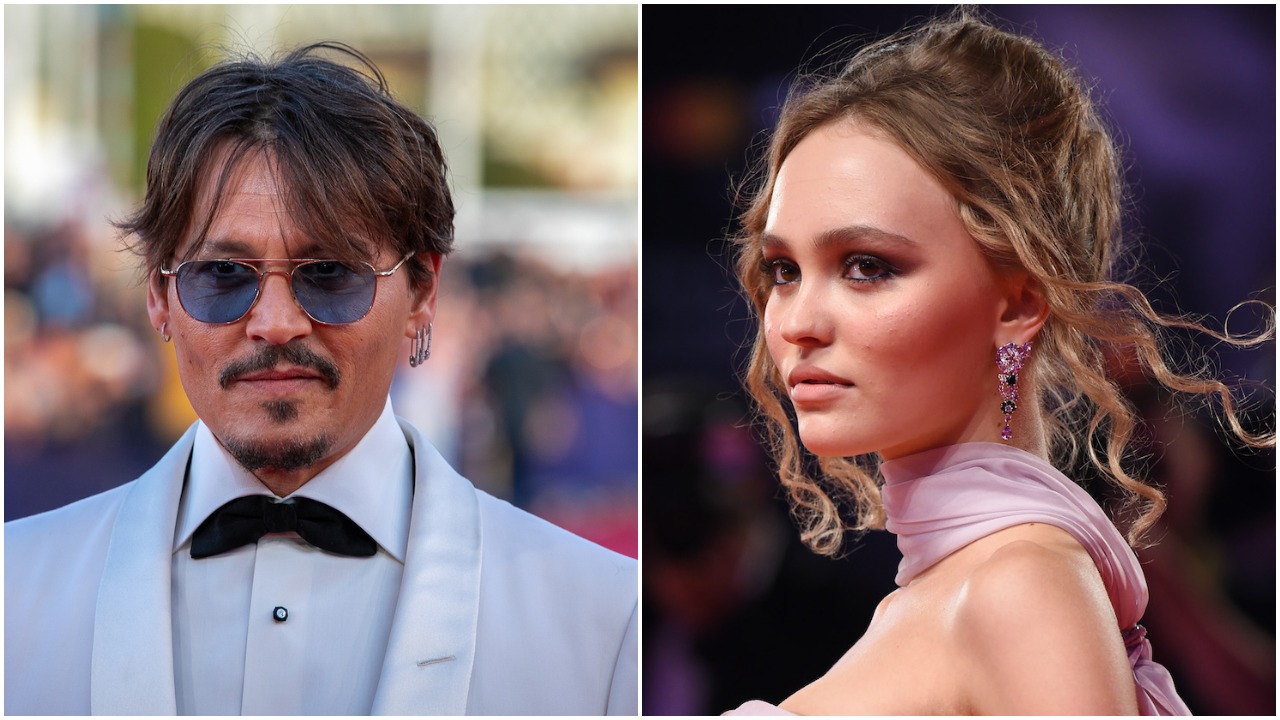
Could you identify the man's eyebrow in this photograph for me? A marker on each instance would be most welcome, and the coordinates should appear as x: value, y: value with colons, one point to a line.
x: 224, y: 248
x: 232, y: 248
x: 844, y: 236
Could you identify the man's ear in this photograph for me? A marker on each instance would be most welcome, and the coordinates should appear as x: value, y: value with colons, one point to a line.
x: 1023, y: 310
x: 158, y: 300
x: 423, y: 310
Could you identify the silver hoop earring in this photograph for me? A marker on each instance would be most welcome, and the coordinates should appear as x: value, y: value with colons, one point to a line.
x: 164, y: 335
x: 420, y: 351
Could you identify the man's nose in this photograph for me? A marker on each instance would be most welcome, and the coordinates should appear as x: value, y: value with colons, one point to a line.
x: 276, y: 317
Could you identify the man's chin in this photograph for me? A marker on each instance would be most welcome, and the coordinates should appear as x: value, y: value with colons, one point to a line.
x: 281, y: 411
x: 284, y: 455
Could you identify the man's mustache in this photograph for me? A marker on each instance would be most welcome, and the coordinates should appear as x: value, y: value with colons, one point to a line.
x: 269, y: 356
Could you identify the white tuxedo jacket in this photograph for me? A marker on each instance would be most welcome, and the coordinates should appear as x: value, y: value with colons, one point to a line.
x: 536, y: 620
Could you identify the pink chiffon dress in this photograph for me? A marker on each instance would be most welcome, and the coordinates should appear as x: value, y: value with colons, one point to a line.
x: 940, y: 500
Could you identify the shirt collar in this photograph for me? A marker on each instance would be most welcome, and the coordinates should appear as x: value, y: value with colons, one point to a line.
x: 372, y: 484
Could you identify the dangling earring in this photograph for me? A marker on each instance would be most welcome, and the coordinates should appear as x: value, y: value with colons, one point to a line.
x: 1009, y: 359
x: 421, y: 348
x: 164, y: 335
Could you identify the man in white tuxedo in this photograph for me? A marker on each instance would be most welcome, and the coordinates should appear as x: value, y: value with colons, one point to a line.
x: 301, y: 550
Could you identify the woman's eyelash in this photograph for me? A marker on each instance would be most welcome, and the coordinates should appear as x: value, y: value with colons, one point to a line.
x: 856, y: 268
x: 779, y: 271
x: 870, y: 268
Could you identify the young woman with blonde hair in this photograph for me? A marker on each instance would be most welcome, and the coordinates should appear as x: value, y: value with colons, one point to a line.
x: 930, y: 253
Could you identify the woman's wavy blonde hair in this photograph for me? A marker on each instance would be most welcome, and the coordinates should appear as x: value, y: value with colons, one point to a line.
x: 1014, y: 136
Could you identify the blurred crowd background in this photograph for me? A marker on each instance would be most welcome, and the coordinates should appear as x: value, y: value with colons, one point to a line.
x: 734, y: 607
x: 531, y: 389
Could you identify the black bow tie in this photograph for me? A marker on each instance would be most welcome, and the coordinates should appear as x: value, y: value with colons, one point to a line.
x: 245, y: 520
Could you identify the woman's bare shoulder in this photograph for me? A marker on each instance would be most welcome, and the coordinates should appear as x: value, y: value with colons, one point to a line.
x: 1037, y: 628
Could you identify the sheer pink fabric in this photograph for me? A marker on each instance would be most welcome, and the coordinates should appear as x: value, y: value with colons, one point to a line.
x: 941, y: 500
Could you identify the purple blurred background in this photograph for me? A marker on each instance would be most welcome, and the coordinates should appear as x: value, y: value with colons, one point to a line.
x: 734, y: 608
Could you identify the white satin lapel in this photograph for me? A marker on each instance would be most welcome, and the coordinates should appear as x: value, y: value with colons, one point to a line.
x: 427, y: 670
x: 133, y: 626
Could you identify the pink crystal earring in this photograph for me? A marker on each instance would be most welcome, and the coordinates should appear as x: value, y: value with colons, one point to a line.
x: 1010, y: 359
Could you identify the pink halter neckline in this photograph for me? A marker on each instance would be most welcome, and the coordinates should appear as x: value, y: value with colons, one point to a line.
x: 940, y: 500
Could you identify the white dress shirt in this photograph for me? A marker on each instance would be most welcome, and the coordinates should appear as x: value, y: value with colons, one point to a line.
x: 232, y: 656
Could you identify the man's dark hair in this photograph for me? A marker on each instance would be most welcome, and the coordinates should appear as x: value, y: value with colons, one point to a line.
x: 360, y: 171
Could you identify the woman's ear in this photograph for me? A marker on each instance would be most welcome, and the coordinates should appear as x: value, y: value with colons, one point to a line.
x: 1023, y: 309
x: 423, y: 310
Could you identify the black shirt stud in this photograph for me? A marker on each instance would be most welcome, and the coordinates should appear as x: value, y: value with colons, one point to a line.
x: 280, y: 614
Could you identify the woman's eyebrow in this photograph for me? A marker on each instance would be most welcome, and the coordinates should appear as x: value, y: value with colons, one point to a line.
x: 860, y: 233
x: 769, y: 241
x: 843, y: 236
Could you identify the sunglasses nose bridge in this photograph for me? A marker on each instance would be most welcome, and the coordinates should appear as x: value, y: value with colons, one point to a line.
x: 287, y: 276
x: 262, y: 277
x: 276, y: 314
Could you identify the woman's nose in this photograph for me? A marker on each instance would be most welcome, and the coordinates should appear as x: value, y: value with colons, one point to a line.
x: 805, y: 315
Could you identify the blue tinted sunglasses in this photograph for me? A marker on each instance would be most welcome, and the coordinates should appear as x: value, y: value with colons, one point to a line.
x: 328, y: 291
